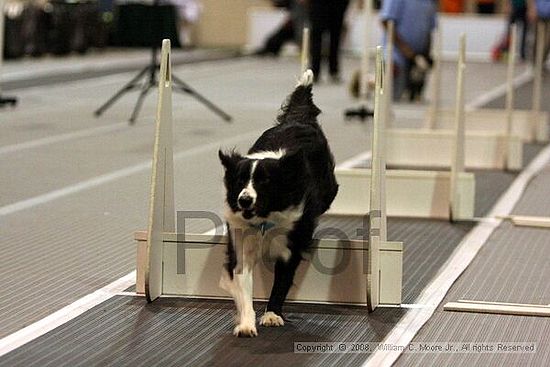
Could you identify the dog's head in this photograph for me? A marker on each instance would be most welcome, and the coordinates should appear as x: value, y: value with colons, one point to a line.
x: 262, y: 183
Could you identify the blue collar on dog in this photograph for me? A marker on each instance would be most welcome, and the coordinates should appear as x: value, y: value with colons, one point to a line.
x: 264, y: 226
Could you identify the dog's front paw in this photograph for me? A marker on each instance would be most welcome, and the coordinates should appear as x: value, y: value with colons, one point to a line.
x: 245, y: 330
x: 271, y: 319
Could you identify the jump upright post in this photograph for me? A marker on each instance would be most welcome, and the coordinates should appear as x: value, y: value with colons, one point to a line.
x: 388, y: 86
x: 457, y: 164
x: 305, y: 51
x: 536, y: 114
x: 510, y: 98
x: 162, y: 208
x: 435, y: 104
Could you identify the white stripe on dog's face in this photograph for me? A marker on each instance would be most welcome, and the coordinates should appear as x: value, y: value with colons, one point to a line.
x: 249, y: 190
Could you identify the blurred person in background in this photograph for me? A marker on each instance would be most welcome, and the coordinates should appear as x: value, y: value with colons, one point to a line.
x: 539, y: 11
x: 414, y: 21
x: 517, y: 14
x: 289, y: 31
x: 326, y: 18
x: 189, y: 12
x: 486, y: 6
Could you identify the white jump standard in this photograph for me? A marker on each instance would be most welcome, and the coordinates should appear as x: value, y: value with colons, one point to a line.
x: 191, y: 265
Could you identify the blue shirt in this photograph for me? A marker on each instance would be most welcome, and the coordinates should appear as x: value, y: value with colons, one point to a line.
x: 414, y: 21
x: 543, y: 9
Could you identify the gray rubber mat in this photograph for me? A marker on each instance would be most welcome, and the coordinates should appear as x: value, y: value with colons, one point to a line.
x: 127, y: 331
x: 513, y: 266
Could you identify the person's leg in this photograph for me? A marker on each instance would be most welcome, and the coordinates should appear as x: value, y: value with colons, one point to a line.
x: 316, y: 44
x: 400, y: 79
x: 521, y: 16
x: 335, y: 28
x: 276, y: 41
x: 486, y: 8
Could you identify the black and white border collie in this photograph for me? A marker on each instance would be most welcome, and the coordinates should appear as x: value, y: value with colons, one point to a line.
x: 275, y: 195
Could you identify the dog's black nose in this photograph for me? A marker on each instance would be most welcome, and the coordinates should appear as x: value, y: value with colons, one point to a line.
x: 245, y: 202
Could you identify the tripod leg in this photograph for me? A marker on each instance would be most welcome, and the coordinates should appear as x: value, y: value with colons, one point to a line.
x: 144, y: 90
x: 181, y: 86
x: 127, y: 87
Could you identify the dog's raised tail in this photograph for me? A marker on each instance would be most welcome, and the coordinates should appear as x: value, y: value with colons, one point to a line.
x: 299, y: 106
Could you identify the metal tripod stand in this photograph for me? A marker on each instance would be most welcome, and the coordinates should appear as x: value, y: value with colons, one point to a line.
x: 146, y: 80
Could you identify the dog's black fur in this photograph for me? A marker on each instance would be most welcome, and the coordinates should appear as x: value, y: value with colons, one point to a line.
x: 298, y: 179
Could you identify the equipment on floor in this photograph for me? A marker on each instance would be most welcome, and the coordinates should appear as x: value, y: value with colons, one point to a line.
x: 147, y: 77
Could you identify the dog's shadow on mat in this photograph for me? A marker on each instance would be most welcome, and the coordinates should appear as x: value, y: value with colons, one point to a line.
x: 270, y: 340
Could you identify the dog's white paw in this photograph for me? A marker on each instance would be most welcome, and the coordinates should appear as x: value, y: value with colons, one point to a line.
x: 306, y: 78
x: 271, y: 319
x: 245, y: 330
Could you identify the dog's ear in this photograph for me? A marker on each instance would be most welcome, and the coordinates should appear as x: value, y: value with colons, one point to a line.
x: 229, y: 160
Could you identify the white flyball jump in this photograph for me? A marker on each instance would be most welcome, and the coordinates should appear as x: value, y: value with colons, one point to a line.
x: 529, y: 125
x: 367, y: 271
x: 432, y: 148
x: 412, y: 193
